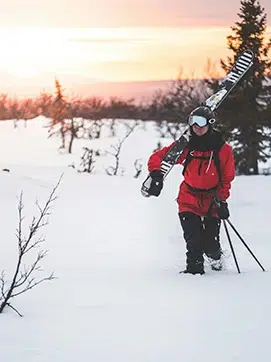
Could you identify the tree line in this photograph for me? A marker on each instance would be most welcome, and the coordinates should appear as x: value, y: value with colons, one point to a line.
x: 244, y: 117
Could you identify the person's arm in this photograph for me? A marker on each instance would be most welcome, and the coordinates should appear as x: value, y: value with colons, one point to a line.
x: 155, y: 159
x: 227, y: 168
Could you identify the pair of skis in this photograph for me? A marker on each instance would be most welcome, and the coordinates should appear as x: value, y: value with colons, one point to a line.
x: 239, y: 69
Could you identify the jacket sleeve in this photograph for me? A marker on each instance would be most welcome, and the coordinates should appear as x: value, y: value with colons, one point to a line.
x: 154, y: 162
x: 227, y: 168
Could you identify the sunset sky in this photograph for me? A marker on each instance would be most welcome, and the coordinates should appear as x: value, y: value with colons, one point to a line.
x: 114, y: 40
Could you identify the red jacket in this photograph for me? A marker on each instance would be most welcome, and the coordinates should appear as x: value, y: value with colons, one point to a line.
x: 201, y: 174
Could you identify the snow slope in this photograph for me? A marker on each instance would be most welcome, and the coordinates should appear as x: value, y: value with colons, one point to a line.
x: 118, y: 295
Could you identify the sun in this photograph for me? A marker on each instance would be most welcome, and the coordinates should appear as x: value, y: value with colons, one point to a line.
x: 26, y: 52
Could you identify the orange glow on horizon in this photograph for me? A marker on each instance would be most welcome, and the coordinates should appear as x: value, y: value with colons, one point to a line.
x: 111, y: 54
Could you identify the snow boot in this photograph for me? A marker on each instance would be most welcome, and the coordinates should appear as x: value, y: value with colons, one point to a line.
x: 216, y: 265
x: 194, y: 268
x: 216, y: 261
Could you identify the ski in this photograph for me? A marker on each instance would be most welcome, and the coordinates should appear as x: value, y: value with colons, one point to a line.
x: 169, y: 160
x: 243, y: 63
x: 239, y: 69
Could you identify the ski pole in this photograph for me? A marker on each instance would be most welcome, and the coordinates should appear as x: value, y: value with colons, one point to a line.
x: 243, y: 241
x: 231, y: 245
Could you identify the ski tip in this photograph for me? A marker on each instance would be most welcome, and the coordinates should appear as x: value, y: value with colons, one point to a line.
x: 248, y: 54
x: 249, y: 51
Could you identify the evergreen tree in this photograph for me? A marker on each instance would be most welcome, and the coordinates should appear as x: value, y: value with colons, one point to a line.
x: 246, y: 112
x: 59, y: 114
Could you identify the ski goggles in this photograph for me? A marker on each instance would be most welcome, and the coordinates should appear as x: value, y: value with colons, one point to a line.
x: 199, y: 121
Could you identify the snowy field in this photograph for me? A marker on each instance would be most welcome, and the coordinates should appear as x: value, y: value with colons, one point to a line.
x: 116, y: 255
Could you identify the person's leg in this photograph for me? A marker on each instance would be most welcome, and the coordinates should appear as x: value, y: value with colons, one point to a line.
x: 211, y: 241
x: 192, y: 231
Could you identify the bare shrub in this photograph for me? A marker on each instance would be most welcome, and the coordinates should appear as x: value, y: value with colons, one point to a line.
x: 25, y: 275
x: 138, y: 166
x: 87, y: 160
x: 114, y: 170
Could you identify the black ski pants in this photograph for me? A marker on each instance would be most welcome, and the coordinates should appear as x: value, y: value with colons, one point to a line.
x: 201, y: 235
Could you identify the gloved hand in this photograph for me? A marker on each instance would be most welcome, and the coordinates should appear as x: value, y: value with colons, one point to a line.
x: 156, y: 183
x: 222, y: 209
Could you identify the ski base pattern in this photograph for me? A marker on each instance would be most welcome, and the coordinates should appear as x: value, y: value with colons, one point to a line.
x: 239, y: 69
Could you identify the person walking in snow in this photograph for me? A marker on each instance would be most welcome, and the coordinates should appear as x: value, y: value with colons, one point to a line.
x: 208, y: 170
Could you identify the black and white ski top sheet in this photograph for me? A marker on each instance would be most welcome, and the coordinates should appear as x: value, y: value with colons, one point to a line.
x: 239, y: 69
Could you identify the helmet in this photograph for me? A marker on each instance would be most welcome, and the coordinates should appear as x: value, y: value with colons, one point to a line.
x: 201, y: 116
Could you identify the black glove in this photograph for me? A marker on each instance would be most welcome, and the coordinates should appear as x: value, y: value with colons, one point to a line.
x: 222, y: 209
x: 156, y: 183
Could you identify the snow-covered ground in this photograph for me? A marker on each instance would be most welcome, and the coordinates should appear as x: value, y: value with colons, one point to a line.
x: 116, y: 255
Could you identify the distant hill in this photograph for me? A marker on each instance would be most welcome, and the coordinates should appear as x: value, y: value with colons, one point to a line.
x: 81, y: 86
x: 137, y: 90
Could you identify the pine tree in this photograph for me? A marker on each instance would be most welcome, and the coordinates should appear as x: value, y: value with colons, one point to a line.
x: 59, y: 114
x: 246, y: 112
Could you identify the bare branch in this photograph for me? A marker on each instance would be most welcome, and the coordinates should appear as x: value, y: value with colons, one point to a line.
x: 114, y: 170
x: 32, y: 283
x: 16, y: 310
x: 3, y: 283
x: 24, y: 278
